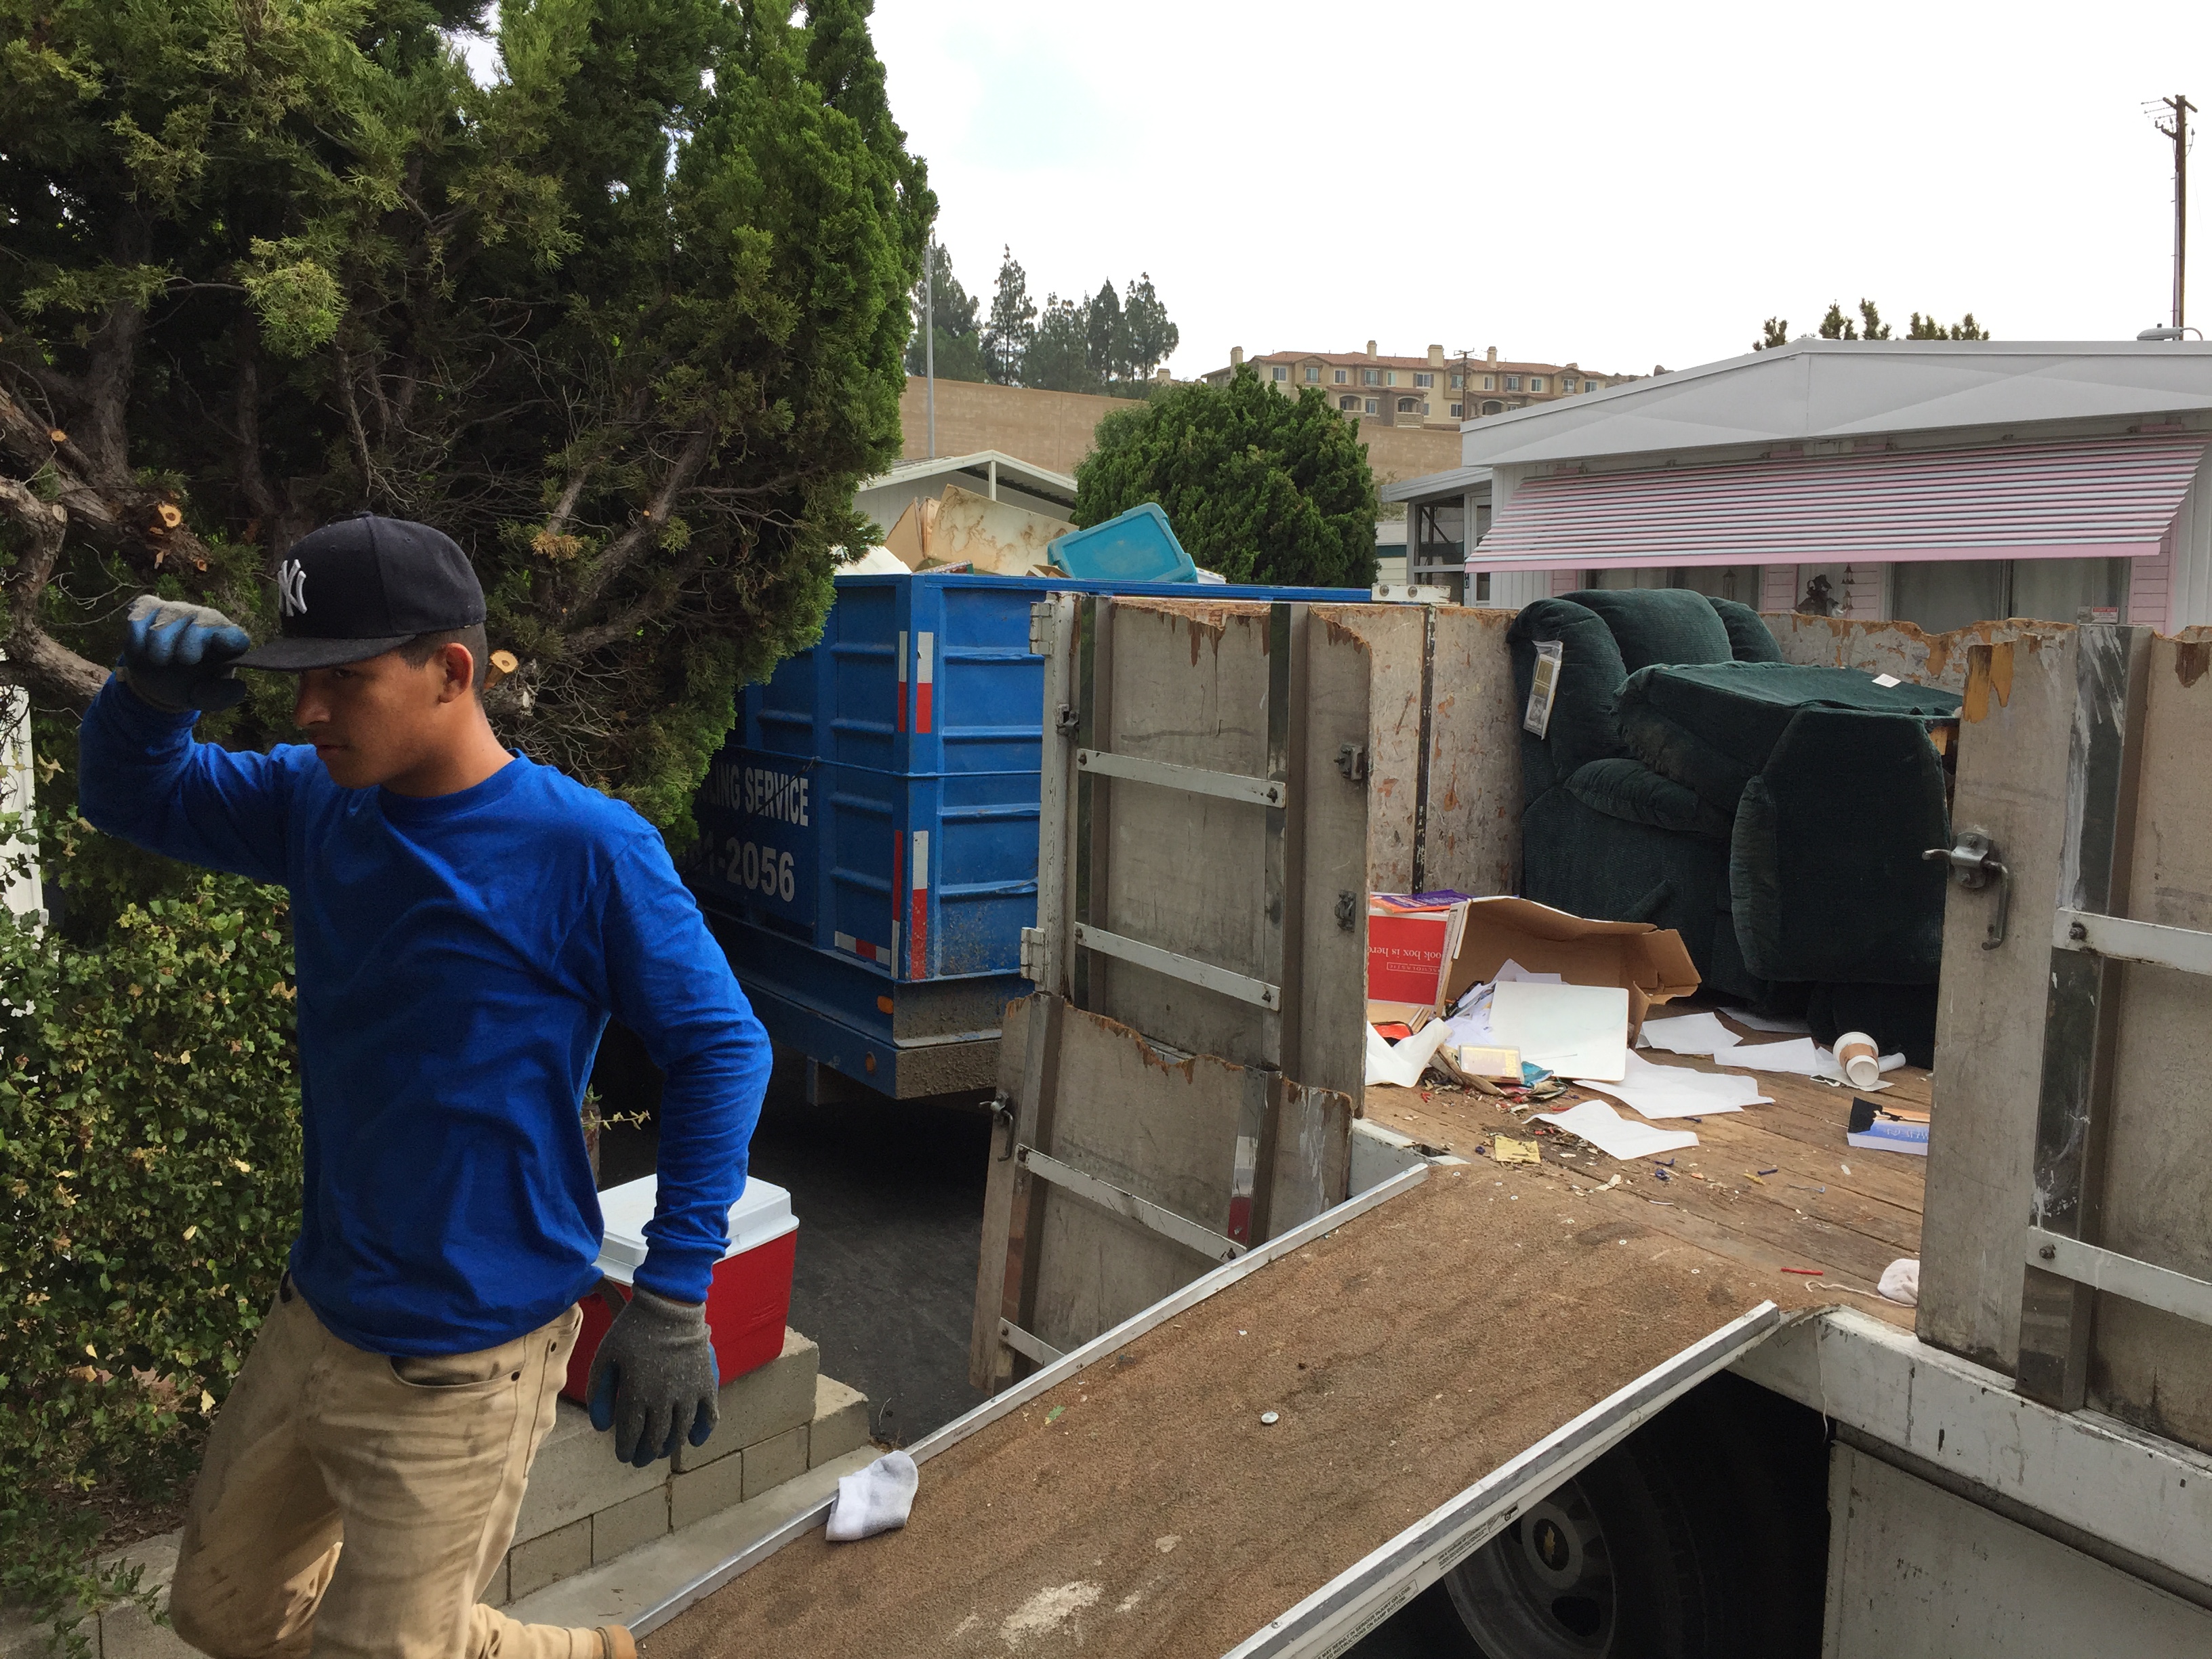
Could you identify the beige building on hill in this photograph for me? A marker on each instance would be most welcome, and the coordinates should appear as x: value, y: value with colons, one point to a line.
x: 1433, y: 390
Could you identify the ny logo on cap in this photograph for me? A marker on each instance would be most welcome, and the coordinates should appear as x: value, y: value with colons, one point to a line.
x: 292, y: 588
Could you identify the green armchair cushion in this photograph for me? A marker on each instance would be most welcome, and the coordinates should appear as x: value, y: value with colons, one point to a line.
x: 1750, y: 640
x: 1584, y: 725
x: 1711, y: 726
x: 1630, y: 790
x: 1658, y: 624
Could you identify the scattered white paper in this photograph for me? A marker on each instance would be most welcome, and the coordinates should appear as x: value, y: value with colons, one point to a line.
x: 1576, y: 1030
x: 1617, y: 1136
x: 1689, y: 1034
x: 1678, y: 1091
x: 1471, y: 1028
x: 1404, y: 1064
x: 1900, y: 1280
x: 1786, y: 1023
x: 1802, y: 1056
x: 1886, y: 681
x: 1510, y: 972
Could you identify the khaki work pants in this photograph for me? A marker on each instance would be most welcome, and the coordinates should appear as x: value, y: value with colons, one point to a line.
x: 355, y: 1506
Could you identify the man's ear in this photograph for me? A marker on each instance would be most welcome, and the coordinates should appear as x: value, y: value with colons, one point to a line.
x: 460, y: 673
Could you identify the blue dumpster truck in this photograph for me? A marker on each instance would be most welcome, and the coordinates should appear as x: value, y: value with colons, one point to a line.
x: 868, y: 852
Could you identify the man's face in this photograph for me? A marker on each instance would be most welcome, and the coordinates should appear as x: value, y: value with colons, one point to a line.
x: 371, y: 721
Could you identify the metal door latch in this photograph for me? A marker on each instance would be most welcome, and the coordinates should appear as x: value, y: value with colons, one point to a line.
x: 1347, y: 911
x: 1975, y: 864
x: 1066, y: 721
x: 1352, y: 761
x: 1002, y: 1117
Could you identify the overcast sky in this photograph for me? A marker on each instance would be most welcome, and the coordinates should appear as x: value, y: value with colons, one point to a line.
x: 1616, y: 185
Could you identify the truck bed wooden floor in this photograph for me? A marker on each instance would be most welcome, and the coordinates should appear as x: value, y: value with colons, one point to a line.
x: 1779, y: 1187
x: 1143, y: 1508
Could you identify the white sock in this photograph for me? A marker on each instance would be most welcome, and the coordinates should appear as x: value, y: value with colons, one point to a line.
x: 874, y: 1499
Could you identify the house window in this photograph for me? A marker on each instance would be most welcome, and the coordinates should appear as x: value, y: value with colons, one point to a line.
x: 1458, y: 411
x: 1566, y: 385
x: 1407, y: 406
x: 1490, y: 383
x: 1374, y: 407
x: 1370, y: 377
x: 1313, y: 375
x: 1535, y: 383
x: 1351, y: 403
x: 1389, y: 377
x: 1340, y: 377
x: 1513, y: 383
x: 1493, y: 407
x: 1458, y: 381
x: 1425, y: 406
x: 1425, y: 379
x: 1282, y: 371
x: 1593, y: 385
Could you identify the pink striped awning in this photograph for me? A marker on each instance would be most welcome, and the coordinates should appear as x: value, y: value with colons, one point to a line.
x: 2091, y: 498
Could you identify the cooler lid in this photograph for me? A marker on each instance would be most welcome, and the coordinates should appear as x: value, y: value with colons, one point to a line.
x: 761, y: 1212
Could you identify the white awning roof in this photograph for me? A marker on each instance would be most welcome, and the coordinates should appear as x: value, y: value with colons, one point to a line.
x: 2091, y: 498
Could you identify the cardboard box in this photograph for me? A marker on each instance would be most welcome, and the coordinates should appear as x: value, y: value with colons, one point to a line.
x: 1651, y: 962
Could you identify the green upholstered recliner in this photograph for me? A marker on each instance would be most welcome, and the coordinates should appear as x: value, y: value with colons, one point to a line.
x: 1774, y: 815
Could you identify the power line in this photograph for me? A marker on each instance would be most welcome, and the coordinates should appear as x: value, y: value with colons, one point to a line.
x: 2177, y: 128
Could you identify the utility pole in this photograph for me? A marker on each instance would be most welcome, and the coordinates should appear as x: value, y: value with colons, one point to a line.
x: 929, y: 339
x: 2177, y: 129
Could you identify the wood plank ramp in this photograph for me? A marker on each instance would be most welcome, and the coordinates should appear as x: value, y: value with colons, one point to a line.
x: 1143, y: 1507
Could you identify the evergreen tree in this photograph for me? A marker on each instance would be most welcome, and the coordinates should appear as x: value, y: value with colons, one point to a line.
x: 1013, y: 324
x: 1260, y: 487
x: 1153, y: 337
x: 1106, y: 337
x: 1927, y: 328
x: 1059, y: 356
x: 1836, y: 325
x: 628, y: 323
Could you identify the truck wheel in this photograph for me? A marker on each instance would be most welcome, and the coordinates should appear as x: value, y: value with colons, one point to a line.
x: 1603, y: 1566
x: 1703, y: 1535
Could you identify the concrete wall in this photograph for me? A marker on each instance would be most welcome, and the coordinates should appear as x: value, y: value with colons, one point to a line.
x: 1054, y: 428
x: 1051, y: 429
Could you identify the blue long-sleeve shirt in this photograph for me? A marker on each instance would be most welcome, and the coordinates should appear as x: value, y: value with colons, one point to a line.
x: 457, y: 959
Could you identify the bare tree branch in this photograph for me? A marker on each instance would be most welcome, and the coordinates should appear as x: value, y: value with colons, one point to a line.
x: 33, y: 658
x: 585, y: 641
x: 633, y: 541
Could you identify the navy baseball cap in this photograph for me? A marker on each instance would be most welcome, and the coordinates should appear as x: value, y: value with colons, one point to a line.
x: 360, y: 587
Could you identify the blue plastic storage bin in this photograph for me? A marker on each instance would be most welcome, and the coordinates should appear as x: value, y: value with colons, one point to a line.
x: 1136, y: 546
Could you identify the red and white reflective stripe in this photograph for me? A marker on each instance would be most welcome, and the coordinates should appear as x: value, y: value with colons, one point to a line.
x: 925, y: 675
x: 917, y: 927
x: 898, y: 708
x: 860, y: 947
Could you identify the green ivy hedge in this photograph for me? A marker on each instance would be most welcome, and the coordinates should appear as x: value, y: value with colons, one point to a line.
x: 150, y: 1180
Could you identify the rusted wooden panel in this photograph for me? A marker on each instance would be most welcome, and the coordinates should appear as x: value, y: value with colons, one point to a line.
x: 1895, y: 647
x: 1471, y: 822
x: 2148, y: 1367
x: 2012, y: 776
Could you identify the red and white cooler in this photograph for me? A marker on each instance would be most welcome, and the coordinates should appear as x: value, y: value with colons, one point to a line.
x: 747, y: 1299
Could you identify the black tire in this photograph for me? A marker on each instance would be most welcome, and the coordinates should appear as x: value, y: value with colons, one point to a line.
x: 1702, y: 1536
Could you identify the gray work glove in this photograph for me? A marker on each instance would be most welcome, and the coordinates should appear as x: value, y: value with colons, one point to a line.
x: 655, y: 1376
x: 177, y: 656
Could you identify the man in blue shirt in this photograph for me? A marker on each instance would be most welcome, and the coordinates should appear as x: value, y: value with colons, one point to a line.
x: 464, y: 923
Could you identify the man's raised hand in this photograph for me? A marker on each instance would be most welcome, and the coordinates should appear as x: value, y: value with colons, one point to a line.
x: 177, y: 656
